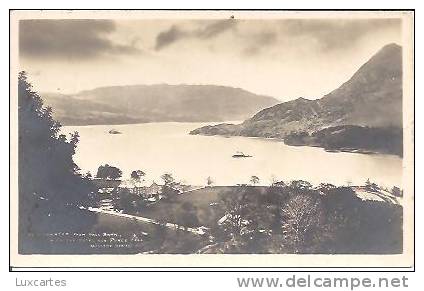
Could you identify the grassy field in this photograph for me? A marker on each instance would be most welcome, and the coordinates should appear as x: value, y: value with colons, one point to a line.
x: 113, y: 235
x: 367, y: 227
x: 202, y: 201
x: 154, y: 238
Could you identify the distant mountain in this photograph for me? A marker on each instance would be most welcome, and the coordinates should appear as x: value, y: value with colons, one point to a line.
x: 372, y: 97
x: 156, y: 103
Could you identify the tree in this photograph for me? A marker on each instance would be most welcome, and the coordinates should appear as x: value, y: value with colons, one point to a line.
x: 108, y: 172
x: 300, y: 185
x: 169, y: 189
x: 396, y: 191
x: 276, y: 183
x: 168, y: 179
x: 370, y: 186
x: 326, y: 188
x: 137, y: 174
x: 302, y: 217
x: 239, y: 216
x: 245, y: 224
x: 254, y: 180
x: 127, y: 201
x: 209, y: 181
x: 50, y: 185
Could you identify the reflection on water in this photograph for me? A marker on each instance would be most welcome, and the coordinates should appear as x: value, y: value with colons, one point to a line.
x: 157, y: 148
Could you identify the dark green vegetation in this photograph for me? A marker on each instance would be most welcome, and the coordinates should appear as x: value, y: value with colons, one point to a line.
x: 112, y: 235
x: 156, y: 103
x: 386, y: 140
x: 136, y: 175
x: 151, y: 238
x: 195, y: 204
x: 297, y: 218
x: 108, y: 172
x: 294, y: 218
x: 52, y: 192
x: 371, y: 99
x: 50, y: 186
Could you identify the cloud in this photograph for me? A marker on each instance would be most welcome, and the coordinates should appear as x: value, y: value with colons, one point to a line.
x: 334, y: 34
x: 170, y: 36
x: 75, y: 39
x: 215, y: 28
x: 317, y: 35
x: 255, y: 37
x: 260, y: 41
x: 175, y: 33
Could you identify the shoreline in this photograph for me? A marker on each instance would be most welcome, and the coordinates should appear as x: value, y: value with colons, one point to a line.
x: 329, y: 150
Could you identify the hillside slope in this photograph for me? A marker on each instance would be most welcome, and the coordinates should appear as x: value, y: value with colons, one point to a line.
x: 150, y: 103
x: 372, y: 97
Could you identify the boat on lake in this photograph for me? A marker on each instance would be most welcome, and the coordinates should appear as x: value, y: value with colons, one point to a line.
x: 114, y: 131
x: 241, y: 155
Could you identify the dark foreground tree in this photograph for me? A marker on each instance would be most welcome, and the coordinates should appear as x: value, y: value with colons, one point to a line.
x: 396, y: 191
x: 108, y: 172
x: 169, y: 189
x: 298, y: 218
x: 168, y: 179
x: 254, y: 180
x: 209, y: 181
x: 49, y: 182
x: 301, y: 221
x: 137, y: 174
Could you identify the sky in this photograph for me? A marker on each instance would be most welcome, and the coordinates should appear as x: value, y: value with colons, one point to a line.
x: 283, y: 58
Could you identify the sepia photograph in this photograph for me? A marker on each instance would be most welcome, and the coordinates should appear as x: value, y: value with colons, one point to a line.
x: 212, y: 138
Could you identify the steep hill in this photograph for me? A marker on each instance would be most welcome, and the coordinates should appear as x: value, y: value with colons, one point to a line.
x: 372, y: 97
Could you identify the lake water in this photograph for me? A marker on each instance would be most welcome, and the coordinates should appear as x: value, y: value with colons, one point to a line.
x: 157, y: 148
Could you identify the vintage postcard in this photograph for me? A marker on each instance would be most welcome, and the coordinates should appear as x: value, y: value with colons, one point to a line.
x: 212, y: 138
